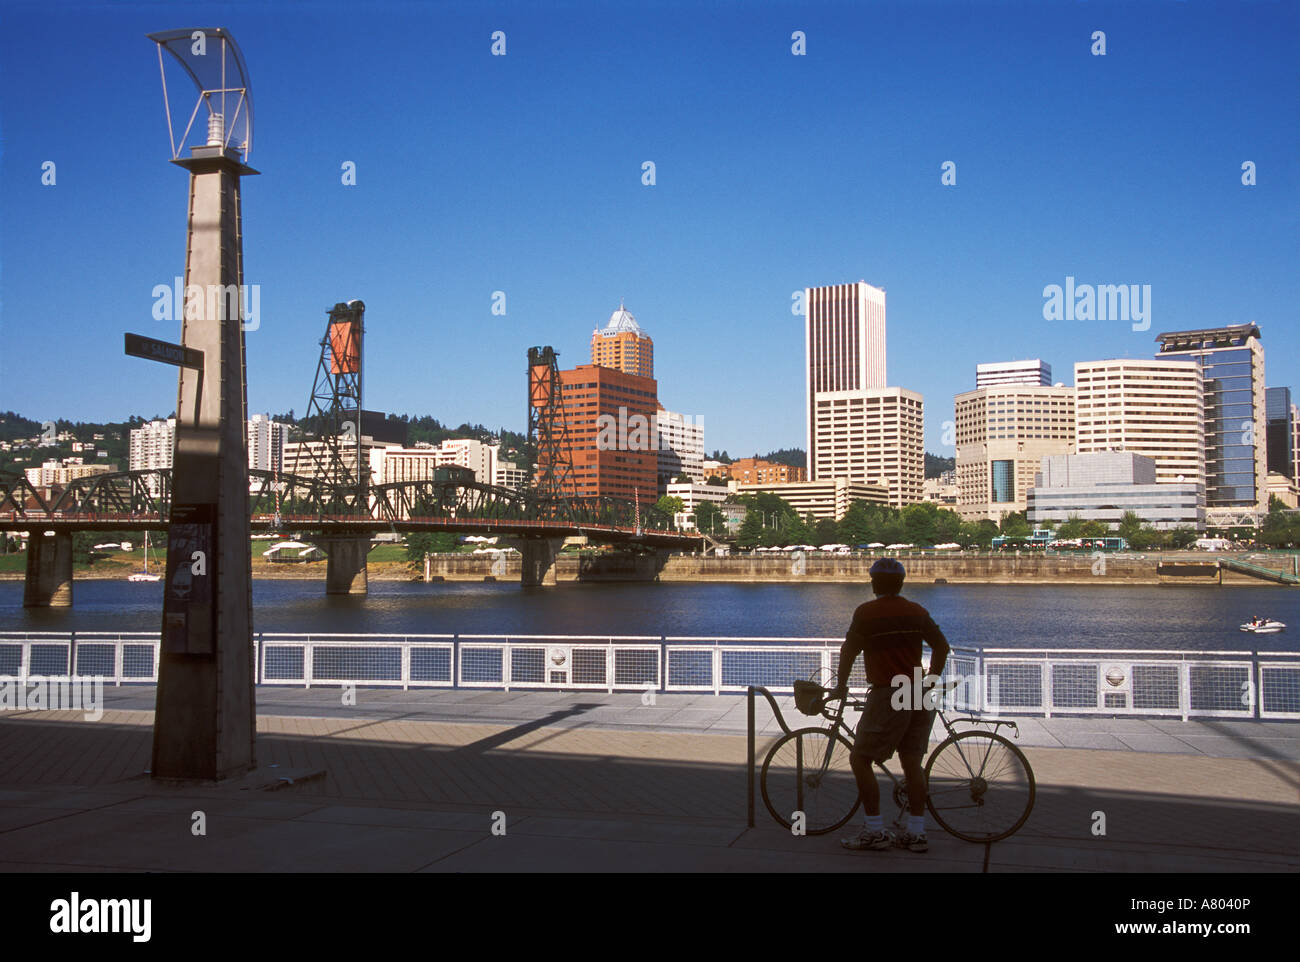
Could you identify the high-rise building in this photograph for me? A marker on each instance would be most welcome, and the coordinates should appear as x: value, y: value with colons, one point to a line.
x: 681, y: 447
x: 611, y: 423
x: 623, y: 346
x: 266, y: 440
x: 151, y: 448
x: 1002, y: 435
x: 859, y: 429
x: 1295, y: 444
x: 1236, y: 462
x: 1013, y: 372
x: 1279, y: 430
x: 873, y: 436
x: 1153, y: 408
x: 844, y: 349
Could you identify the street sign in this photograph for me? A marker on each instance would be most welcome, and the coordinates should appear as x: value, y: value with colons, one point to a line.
x: 137, y: 345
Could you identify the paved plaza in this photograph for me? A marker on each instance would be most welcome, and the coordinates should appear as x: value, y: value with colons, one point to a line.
x: 417, y: 781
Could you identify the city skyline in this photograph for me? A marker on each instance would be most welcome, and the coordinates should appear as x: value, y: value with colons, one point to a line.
x: 1062, y: 172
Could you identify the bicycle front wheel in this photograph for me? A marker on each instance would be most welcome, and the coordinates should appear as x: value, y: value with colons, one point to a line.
x: 808, y: 771
x: 981, y: 786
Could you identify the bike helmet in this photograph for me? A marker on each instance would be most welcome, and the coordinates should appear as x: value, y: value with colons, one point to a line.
x: 888, y: 566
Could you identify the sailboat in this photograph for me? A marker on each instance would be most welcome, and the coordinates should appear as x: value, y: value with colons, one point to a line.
x: 145, y: 575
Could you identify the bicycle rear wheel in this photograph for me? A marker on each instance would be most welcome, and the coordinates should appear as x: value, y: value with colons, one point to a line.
x: 808, y: 771
x: 981, y: 786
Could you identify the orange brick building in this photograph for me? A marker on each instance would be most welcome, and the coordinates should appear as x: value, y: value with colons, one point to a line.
x: 610, y: 419
x: 759, y: 471
x: 623, y: 346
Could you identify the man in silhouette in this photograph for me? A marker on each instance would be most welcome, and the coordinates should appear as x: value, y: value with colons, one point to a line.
x: 888, y: 632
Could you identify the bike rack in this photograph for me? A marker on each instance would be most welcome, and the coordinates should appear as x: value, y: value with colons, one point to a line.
x: 780, y: 720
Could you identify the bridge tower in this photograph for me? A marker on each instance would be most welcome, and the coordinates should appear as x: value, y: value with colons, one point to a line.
x: 548, y: 436
x: 204, y: 723
x: 333, y: 416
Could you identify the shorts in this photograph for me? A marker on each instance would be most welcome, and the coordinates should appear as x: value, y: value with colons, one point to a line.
x: 883, y: 729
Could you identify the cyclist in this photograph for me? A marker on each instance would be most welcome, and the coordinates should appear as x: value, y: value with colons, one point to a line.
x: 888, y: 631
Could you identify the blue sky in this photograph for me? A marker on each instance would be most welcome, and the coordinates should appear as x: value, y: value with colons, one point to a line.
x: 522, y: 174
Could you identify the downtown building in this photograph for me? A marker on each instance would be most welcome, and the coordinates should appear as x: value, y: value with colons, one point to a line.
x: 1002, y: 434
x: 150, y: 449
x: 761, y: 471
x: 828, y: 499
x: 610, y: 422
x: 1104, y: 486
x: 681, y: 447
x: 1236, y: 456
x: 859, y: 429
x: 1013, y: 372
x: 1153, y: 408
x: 623, y: 346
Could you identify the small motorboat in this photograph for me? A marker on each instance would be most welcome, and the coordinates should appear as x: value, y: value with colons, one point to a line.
x: 1263, y: 626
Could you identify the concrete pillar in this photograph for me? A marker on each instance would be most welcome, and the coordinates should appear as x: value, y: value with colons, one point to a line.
x: 345, y: 571
x: 204, y: 725
x: 538, y: 560
x: 49, y: 571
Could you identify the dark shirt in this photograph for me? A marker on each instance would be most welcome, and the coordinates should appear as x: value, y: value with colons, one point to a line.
x: 889, y: 631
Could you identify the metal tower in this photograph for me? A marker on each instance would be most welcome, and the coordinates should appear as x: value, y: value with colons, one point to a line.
x: 333, y: 419
x: 548, y: 434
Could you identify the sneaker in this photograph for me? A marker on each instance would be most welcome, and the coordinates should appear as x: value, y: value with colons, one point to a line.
x: 913, y: 843
x: 869, y: 840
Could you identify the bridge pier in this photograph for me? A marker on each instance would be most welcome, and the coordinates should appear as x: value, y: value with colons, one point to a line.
x: 49, y: 571
x: 538, y: 560
x: 345, y: 565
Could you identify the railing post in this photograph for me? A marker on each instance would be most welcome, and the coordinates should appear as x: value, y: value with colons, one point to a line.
x: 749, y: 768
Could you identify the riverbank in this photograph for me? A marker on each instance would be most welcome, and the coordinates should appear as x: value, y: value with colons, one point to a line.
x: 1185, y: 568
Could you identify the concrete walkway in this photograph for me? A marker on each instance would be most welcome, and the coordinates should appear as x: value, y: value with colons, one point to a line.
x: 579, y: 789
x: 726, y: 715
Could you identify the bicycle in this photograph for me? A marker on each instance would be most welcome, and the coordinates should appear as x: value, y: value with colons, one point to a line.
x: 981, y: 786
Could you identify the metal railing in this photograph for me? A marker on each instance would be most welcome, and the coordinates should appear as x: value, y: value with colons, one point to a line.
x: 1040, y: 682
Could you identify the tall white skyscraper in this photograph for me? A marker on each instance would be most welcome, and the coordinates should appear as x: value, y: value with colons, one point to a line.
x: 844, y: 345
x: 151, y: 447
x: 266, y: 440
x: 859, y: 428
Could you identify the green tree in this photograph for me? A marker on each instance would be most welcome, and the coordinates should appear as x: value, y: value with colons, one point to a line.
x: 1129, y: 526
x: 978, y: 533
x: 855, y: 526
x: 670, y: 505
x: 1095, y: 529
x: 418, y: 544
x: 710, y: 520
x: 1071, y: 528
x: 826, y: 532
x: 919, y: 523
x: 947, y: 527
x: 1015, y: 525
x: 751, y: 530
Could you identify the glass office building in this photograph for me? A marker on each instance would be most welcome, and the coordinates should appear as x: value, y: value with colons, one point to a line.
x: 1232, y: 365
x: 1279, y: 430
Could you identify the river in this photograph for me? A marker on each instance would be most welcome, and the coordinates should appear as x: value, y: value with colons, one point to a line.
x: 1013, y: 616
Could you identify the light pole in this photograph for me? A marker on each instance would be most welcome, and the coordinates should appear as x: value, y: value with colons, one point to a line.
x: 204, y: 724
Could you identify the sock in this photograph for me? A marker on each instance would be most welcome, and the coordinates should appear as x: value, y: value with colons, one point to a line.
x: 874, y: 823
x: 916, y: 824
